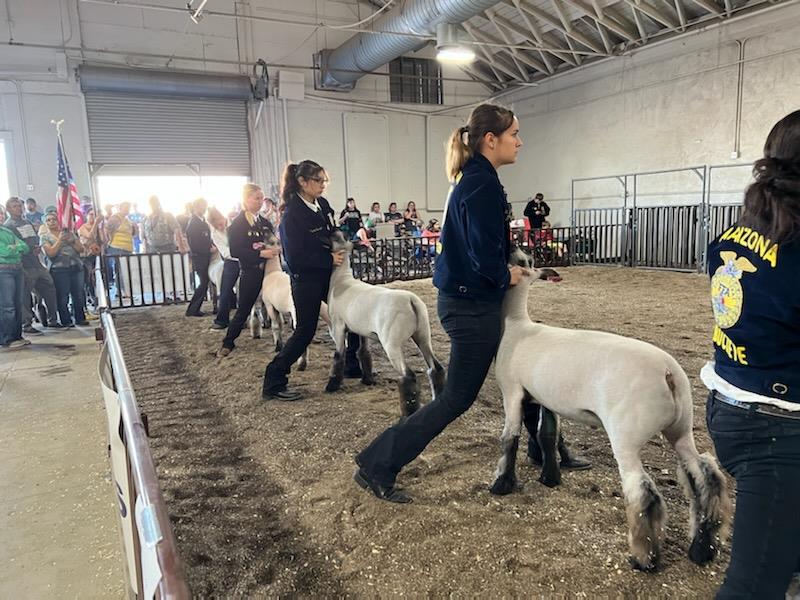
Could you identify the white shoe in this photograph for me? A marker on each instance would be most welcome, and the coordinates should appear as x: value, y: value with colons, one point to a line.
x: 20, y: 343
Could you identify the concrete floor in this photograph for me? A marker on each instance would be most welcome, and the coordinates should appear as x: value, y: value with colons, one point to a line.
x: 60, y: 534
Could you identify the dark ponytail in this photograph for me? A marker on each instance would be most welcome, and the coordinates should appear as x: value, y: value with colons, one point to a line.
x: 772, y: 201
x: 290, y: 180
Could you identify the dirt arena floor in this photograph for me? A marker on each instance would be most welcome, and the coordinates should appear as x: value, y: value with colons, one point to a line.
x: 261, y: 495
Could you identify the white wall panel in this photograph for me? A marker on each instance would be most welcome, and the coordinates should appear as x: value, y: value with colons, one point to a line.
x: 366, y: 141
x: 439, y: 130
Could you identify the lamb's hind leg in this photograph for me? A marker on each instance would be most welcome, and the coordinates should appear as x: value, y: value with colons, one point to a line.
x: 275, y: 325
x: 645, y: 508
x: 256, y: 319
x: 407, y: 385
x: 505, y: 476
x: 547, y: 436
x: 436, y: 373
x: 365, y: 362
x: 339, y: 334
x: 707, y: 490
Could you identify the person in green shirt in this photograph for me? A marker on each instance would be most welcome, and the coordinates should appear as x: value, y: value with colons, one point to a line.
x: 11, y: 289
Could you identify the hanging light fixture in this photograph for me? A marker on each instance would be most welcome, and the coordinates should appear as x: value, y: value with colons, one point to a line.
x: 449, y: 49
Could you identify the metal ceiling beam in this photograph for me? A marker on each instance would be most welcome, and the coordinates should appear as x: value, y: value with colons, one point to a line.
x: 516, y: 55
x: 473, y: 73
x: 599, y: 17
x: 533, y: 28
x: 679, y: 8
x: 482, y: 36
x: 640, y: 25
x: 536, y: 44
x: 578, y: 59
x: 603, y: 36
x: 710, y: 6
x: 655, y: 13
x: 491, y: 57
x: 553, y: 22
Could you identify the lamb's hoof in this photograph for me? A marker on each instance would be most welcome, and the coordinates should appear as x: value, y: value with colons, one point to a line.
x: 411, y: 406
x: 702, y: 549
x: 368, y: 380
x: 503, y: 485
x: 333, y: 385
x: 550, y: 480
x: 646, y: 566
x: 302, y: 364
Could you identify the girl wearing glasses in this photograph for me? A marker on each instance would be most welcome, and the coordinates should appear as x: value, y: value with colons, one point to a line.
x: 305, y: 230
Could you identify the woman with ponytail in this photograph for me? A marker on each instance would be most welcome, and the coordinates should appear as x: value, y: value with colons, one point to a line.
x: 252, y: 241
x: 472, y: 275
x: 753, y: 409
x: 305, y: 231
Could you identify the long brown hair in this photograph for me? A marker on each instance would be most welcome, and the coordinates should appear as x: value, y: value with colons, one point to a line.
x: 290, y: 180
x: 485, y: 118
x: 772, y: 201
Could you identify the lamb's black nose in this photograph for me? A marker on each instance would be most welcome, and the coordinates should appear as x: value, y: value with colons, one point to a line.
x: 547, y: 273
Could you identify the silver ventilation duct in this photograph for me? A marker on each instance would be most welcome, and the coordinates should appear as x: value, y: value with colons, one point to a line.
x: 364, y: 52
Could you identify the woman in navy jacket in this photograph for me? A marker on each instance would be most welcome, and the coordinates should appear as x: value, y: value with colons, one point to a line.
x: 753, y: 410
x: 472, y: 275
x: 305, y: 232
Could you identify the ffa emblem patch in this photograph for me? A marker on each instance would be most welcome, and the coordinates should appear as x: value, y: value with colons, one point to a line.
x: 726, y: 289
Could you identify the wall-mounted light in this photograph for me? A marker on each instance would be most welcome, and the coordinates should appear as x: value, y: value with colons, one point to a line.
x: 449, y: 49
x: 196, y: 14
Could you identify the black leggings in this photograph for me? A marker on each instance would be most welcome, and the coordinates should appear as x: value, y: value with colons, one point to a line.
x: 308, y: 293
x: 474, y: 330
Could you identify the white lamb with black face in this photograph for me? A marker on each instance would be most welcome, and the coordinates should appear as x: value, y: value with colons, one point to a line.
x: 392, y: 316
x: 630, y: 388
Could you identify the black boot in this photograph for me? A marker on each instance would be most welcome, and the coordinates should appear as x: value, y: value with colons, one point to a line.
x: 569, y: 461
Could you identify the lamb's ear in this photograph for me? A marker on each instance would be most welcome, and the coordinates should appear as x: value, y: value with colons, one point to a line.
x: 519, y: 259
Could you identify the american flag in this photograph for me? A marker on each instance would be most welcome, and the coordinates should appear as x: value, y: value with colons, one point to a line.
x: 68, y: 203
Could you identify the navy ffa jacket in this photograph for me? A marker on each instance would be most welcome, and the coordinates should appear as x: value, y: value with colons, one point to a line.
x: 198, y: 235
x: 306, y: 237
x: 756, y: 301
x: 246, y: 241
x: 475, y: 238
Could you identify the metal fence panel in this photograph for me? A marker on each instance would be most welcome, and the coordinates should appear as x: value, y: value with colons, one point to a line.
x: 148, y: 279
x: 600, y: 236
x: 150, y: 551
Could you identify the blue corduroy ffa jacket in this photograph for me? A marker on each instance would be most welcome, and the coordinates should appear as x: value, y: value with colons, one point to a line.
x: 475, y: 241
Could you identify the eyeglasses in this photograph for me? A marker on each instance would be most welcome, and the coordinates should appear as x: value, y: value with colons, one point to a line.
x: 322, y: 180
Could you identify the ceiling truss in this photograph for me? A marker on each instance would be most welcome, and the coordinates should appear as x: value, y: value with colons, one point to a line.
x: 520, y: 42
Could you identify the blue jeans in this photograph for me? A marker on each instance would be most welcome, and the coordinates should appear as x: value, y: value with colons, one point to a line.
x: 69, y: 283
x: 114, y: 268
x: 11, y: 292
x: 474, y: 328
x: 762, y: 452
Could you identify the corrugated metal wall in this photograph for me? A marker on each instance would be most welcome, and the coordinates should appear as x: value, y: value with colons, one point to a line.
x: 138, y: 129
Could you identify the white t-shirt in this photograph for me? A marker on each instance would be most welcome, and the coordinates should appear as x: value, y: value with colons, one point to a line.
x: 714, y: 382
